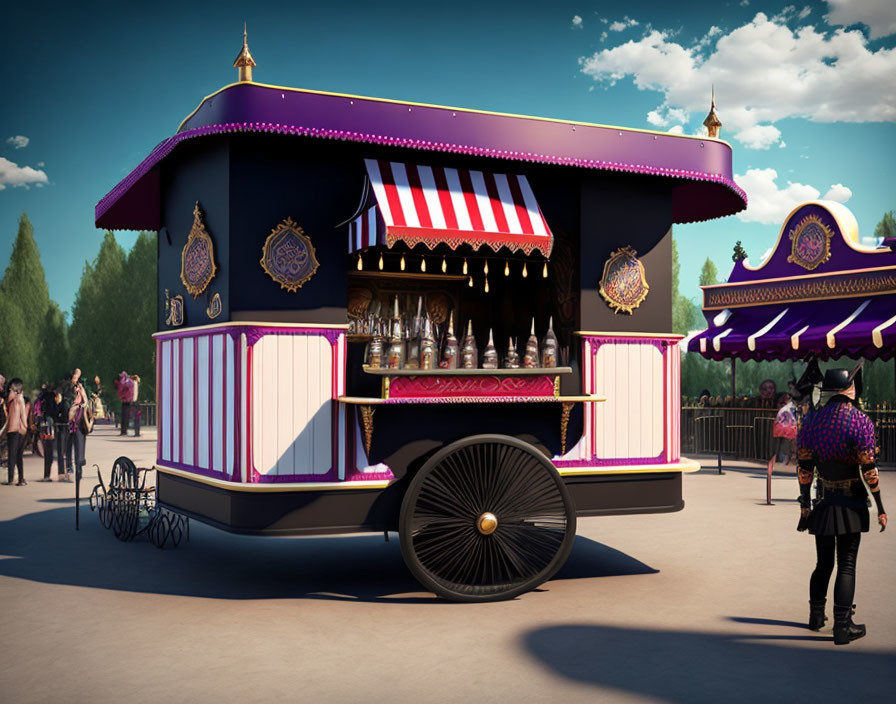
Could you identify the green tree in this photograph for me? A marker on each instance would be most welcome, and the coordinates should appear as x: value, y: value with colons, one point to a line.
x: 23, y: 290
x: 709, y: 274
x: 685, y: 314
x: 138, y: 345
x: 53, y: 351
x: 115, y: 313
x: 887, y: 226
x: 739, y: 252
x: 99, y: 316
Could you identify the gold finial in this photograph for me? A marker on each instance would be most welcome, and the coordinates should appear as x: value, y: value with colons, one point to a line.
x: 712, y: 123
x: 244, y: 61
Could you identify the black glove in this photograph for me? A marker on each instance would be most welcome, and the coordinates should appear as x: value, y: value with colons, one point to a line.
x: 803, y: 523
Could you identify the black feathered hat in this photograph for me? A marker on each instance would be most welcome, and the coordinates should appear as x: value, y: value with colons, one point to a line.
x: 841, y: 379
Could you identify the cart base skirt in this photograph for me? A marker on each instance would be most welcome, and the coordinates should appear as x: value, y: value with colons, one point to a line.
x: 324, y: 511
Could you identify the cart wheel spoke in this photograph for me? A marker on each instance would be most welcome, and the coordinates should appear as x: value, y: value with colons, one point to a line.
x: 486, y: 518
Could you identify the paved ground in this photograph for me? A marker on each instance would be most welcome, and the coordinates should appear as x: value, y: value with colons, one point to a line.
x: 703, y: 605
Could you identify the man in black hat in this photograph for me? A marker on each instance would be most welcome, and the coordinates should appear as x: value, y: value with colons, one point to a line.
x: 838, y: 442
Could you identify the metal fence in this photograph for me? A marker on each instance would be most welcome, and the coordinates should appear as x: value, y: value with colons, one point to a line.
x: 746, y: 433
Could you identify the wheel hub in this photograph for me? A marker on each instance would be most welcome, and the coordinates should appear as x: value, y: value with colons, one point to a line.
x: 487, y: 523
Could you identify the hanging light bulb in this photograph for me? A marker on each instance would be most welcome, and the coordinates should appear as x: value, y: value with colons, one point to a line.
x: 444, y: 264
x: 470, y: 282
x: 360, y: 263
x: 525, y: 271
x: 506, y: 268
x: 423, y: 264
x: 544, y: 272
x: 485, y: 268
x: 402, y: 262
x: 465, y: 266
x: 381, y: 261
x: 486, y: 284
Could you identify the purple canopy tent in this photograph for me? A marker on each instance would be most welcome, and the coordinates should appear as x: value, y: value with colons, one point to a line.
x: 818, y: 293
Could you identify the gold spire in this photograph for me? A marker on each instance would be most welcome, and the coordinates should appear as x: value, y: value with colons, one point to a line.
x: 244, y: 61
x: 712, y: 123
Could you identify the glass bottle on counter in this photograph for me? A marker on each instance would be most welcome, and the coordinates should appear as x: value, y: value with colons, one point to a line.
x: 375, y: 348
x: 549, y: 347
x: 450, y: 352
x: 530, y: 357
x: 490, y: 356
x: 395, y: 357
x: 415, y: 330
x: 512, y: 360
x: 427, y: 346
x: 469, y: 354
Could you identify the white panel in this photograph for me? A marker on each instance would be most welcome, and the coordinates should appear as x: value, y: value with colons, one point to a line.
x: 218, y: 403
x: 244, y: 410
x: 189, y: 401
x: 175, y: 401
x: 322, y: 459
x: 630, y: 421
x: 202, y: 401
x: 231, y: 402
x: 285, y: 404
x: 292, y: 380
x: 164, y: 397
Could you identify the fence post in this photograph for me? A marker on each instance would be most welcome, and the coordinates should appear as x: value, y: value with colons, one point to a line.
x: 768, y: 482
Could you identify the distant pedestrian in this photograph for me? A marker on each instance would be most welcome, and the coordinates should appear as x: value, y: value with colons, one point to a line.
x: 838, y: 442
x: 16, y: 429
x: 784, y: 429
x: 77, y: 438
x: 46, y: 424
x: 128, y: 387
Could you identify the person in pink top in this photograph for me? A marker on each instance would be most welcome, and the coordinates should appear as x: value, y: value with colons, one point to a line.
x: 16, y: 429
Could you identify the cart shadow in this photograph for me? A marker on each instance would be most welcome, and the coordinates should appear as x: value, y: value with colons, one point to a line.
x: 692, y: 666
x: 44, y: 547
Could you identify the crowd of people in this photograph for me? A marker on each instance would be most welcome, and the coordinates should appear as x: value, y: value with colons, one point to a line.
x: 56, y: 421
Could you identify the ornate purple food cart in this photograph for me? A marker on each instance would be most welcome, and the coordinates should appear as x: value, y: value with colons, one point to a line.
x: 316, y: 252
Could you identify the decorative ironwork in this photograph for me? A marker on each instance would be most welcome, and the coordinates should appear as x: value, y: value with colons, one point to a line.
x: 288, y: 256
x: 174, y: 310
x: 214, y: 307
x: 815, y: 287
x: 128, y: 507
x: 565, y: 410
x: 197, y: 260
x: 367, y: 425
x: 624, y: 284
x: 810, y: 243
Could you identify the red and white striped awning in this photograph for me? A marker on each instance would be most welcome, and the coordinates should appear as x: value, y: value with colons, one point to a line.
x: 436, y: 205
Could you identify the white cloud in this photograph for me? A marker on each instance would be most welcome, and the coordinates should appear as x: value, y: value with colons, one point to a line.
x: 744, y: 3
x: 576, y: 22
x: 879, y: 15
x: 676, y: 129
x: 782, y: 144
x: 18, y: 142
x: 603, y: 36
x: 11, y: 174
x: 839, y: 193
x: 805, y: 12
x: 758, y: 136
x: 763, y: 72
x: 623, y: 24
x: 769, y: 204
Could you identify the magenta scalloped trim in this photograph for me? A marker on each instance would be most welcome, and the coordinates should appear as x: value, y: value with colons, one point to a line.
x: 164, y: 148
x: 617, y: 462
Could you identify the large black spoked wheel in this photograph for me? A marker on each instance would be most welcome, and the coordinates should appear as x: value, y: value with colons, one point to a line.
x: 486, y: 518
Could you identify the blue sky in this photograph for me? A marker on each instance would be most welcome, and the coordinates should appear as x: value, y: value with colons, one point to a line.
x: 805, y: 92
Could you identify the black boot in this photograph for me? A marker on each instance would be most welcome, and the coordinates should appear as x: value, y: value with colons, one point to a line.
x: 816, y: 614
x: 844, y: 629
